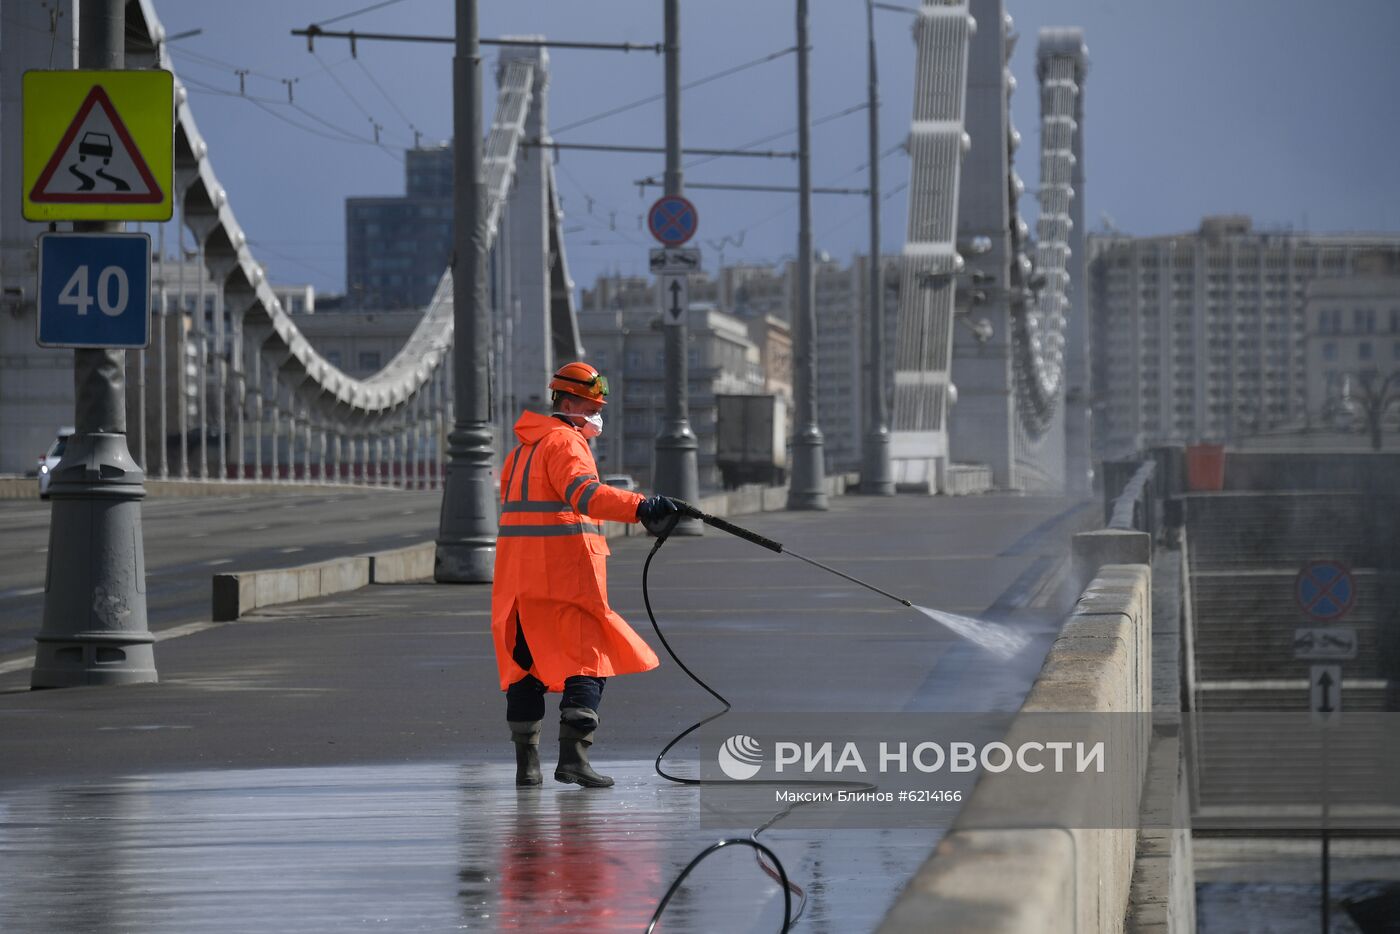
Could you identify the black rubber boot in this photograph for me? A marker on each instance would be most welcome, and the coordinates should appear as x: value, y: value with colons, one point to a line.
x: 526, y: 736
x: 576, y: 726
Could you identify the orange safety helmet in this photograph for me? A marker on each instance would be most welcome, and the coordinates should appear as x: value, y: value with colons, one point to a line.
x: 582, y: 380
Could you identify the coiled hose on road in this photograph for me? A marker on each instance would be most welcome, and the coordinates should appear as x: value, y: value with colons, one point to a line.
x: 774, y: 866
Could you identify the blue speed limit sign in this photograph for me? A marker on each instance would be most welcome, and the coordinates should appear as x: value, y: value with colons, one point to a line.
x: 94, y: 290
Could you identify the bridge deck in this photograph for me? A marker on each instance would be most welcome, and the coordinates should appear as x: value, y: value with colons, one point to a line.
x: 342, y: 761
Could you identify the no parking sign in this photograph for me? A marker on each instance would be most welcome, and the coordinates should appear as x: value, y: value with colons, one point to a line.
x: 1325, y: 590
x: 673, y: 220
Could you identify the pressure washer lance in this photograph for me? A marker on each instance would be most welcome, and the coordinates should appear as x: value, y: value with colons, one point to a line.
x: 1001, y: 641
x: 763, y: 542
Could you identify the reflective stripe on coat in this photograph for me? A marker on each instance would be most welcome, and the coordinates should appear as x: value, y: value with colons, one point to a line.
x: 551, y: 561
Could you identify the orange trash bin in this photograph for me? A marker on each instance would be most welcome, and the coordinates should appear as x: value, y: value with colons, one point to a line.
x: 1205, y: 467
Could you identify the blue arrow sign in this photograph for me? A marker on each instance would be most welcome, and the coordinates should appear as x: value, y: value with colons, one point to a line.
x: 673, y: 220
x: 94, y: 290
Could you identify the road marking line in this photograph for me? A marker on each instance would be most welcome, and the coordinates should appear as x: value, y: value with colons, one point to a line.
x: 292, y: 550
x: 198, y: 535
x: 218, y: 561
x: 188, y: 629
x: 174, y: 632
x: 259, y: 527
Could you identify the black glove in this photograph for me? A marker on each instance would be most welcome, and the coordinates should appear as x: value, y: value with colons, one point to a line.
x: 656, y: 512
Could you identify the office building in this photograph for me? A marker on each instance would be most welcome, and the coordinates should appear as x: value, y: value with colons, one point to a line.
x: 396, y: 248
x: 622, y: 335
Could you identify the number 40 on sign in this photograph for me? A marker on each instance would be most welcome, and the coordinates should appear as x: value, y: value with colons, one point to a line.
x: 94, y: 290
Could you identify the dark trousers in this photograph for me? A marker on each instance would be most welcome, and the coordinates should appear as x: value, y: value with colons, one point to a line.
x: 525, y: 698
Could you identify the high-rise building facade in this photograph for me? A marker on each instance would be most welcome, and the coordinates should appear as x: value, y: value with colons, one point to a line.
x: 1202, y: 336
x: 396, y: 248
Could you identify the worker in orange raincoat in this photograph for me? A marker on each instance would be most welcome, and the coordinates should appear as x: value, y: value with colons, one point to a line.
x: 550, y: 619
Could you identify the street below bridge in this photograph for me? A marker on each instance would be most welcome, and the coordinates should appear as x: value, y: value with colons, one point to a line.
x: 344, y: 761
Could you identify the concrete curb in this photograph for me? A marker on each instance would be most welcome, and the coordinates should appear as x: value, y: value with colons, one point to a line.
x: 237, y: 593
x: 402, y: 565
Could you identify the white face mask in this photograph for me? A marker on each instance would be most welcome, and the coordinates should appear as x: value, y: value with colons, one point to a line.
x: 592, y: 425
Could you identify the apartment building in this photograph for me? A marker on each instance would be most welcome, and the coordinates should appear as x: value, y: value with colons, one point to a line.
x: 1203, y: 336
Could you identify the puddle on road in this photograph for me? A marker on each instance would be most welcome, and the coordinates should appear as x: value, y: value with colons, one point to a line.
x: 411, y: 847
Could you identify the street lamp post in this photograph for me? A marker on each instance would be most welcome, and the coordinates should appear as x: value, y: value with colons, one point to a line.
x: 808, y: 483
x: 876, y: 475
x: 94, y: 630
x: 466, y: 542
x: 676, y: 472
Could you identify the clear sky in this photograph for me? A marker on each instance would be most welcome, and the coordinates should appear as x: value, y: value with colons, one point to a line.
x: 1281, y: 109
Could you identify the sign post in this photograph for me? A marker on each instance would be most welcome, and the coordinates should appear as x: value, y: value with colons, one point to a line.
x: 98, y: 150
x: 673, y: 221
x: 1325, y: 592
x: 1325, y: 701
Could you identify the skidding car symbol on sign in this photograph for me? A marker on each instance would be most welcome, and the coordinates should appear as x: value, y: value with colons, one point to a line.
x: 98, y: 145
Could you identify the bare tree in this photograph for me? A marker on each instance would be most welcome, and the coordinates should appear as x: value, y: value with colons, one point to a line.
x: 1369, y: 398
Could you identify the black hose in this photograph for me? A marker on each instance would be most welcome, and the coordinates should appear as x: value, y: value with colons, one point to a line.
x: 775, y: 871
x: 759, y: 848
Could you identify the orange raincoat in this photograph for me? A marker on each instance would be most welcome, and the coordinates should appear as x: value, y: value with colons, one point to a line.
x: 551, y: 561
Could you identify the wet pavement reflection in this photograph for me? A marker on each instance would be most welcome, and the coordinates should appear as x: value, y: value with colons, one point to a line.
x: 412, y: 848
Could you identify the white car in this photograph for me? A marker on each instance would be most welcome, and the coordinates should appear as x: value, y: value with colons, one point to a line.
x: 51, y: 458
x: 622, y: 481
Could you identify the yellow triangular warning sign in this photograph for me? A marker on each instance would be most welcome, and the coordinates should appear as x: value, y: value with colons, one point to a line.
x: 96, y: 161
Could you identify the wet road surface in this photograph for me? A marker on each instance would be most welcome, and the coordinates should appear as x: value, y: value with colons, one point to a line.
x: 341, y: 763
x: 409, y: 848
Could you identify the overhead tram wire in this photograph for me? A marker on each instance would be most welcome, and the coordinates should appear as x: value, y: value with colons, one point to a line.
x: 642, y: 102
x: 337, y: 133
x: 737, y: 236
x: 209, y: 61
x: 651, y: 182
x: 314, y: 32
x: 385, y: 94
x: 371, y: 7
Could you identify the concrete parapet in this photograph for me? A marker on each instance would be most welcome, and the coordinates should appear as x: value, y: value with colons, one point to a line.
x: 1049, y: 880
x: 1092, y: 550
x: 966, y: 885
x: 1163, y: 894
x: 234, y: 594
